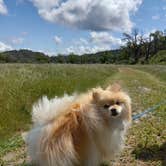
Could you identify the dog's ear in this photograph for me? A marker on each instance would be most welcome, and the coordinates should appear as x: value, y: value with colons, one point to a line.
x: 114, y: 87
x: 96, y: 93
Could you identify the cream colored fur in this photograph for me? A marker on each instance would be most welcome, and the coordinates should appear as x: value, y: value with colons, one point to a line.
x: 105, y: 141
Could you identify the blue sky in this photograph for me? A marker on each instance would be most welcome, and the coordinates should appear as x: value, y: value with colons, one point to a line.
x: 79, y: 26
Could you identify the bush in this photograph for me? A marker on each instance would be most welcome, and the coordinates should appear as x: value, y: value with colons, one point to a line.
x: 159, y: 58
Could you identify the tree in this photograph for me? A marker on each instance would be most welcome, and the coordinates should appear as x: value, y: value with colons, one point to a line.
x: 156, y: 43
x: 132, y: 44
x: 145, y: 46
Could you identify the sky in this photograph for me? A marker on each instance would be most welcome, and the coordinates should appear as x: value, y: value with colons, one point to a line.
x: 75, y: 26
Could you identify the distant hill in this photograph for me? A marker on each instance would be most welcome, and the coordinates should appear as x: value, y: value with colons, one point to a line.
x: 105, y: 57
x: 23, y: 56
x: 28, y: 56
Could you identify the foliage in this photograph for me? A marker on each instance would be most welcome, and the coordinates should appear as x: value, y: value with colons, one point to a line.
x: 159, y: 58
x: 141, y: 48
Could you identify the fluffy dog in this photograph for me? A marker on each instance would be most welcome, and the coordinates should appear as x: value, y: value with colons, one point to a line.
x: 81, y: 129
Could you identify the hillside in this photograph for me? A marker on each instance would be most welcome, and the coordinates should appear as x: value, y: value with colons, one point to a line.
x: 28, y: 56
x: 23, y: 56
x: 105, y: 57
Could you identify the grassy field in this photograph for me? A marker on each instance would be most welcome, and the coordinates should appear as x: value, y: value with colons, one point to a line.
x: 22, y: 85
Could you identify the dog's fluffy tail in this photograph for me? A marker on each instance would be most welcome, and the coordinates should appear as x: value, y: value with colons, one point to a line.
x: 45, y: 110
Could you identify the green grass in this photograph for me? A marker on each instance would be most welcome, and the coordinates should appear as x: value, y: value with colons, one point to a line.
x: 146, y: 140
x: 11, y: 144
x: 22, y: 85
x: 158, y: 71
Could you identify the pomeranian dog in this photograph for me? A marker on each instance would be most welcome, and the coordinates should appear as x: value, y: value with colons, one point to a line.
x: 79, y: 130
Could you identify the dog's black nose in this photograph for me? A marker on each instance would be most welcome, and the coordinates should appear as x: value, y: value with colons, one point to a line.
x: 114, y: 112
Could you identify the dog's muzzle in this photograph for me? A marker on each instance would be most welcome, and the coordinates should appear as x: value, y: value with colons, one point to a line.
x: 114, y: 111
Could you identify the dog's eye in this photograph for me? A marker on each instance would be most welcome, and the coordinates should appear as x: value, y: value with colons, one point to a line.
x: 117, y: 103
x: 106, y: 106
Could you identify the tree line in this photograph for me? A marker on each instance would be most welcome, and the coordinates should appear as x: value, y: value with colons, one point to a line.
x: 138, y: 48
x: 141, y: 48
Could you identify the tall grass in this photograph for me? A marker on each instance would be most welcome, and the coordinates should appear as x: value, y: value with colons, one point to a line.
x: 158, y: 71
x: 21, y: 85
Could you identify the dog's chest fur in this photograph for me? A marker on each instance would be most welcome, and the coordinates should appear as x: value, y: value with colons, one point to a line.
x: 110, y: 141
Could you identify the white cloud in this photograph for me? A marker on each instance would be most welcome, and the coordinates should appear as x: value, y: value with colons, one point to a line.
x: 98, y: 41
x: 83, y: 41
x: 46, y: 52
x: 94, y: 15
x: 146, y: 35
x: 4, y: 47
x: 17, y: 41
x: 57, y: 40
x: 85, y: 49
x: 3, y: 8
x: 156, y: 17
x: 104, y: 38
x: 50, y: 53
